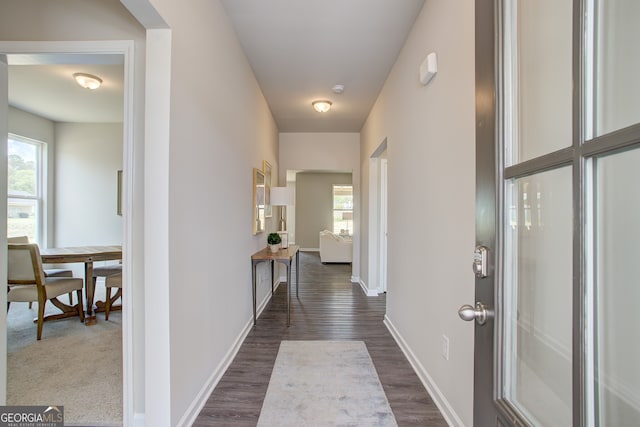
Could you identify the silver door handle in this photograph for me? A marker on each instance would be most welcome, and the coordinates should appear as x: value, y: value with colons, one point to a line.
x: 480, y: 313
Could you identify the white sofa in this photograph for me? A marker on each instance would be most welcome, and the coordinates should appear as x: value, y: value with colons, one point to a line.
x: 335, y: 248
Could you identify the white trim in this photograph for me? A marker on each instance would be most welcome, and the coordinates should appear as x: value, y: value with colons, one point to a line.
x: 125, y: 48
x: 382, y: 225
x: 157, y: 308
x: 139, y: 420
x: 128, y: 406
x: 374, y: 216
x: 309, y: 249
x: 4, y: 131
x: 368, y: 292
x: 355, y: 279
x: 449, y: 414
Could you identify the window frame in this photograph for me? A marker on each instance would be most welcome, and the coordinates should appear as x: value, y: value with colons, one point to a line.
x: 334, y: 209
x: 40, y: 182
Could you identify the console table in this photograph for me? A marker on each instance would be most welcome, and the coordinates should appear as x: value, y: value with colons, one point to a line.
x: 283, y: 256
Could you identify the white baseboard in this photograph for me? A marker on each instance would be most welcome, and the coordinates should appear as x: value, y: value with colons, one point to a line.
x: 368, y: 292
x: 139, y: 420
x: 309, y: 249
x: 449, y: 414
x: 355, y: 279
x: 201, y: 398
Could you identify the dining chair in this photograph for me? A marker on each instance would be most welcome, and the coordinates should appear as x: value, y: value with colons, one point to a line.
x: 48, y: 272
x: 112, y: 281
x: 27, y: 283
x: 112, y: 274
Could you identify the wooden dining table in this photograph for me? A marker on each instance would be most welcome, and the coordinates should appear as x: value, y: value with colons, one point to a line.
x: 87, y: 255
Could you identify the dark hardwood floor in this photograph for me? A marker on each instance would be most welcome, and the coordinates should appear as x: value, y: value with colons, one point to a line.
x: 329, y: 307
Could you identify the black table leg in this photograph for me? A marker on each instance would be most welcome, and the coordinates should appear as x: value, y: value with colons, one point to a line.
x: 253, y: 289
x: 289, y: 293
x: 272, y: 264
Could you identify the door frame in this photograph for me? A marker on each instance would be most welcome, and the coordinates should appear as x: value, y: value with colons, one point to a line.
x: 125, y: 48
x: 373, y: 287
x: 383, y: 229
x: 485, y: 411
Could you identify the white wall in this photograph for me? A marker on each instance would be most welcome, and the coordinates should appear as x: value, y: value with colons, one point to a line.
x: 326, y: 152
x: 79, y: 20
x: 430, y: 134
x: 87, y: 158
x: 31, y: 126
x: 219, y: 131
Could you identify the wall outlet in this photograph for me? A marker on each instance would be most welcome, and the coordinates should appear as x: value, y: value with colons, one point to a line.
x: 445, y: 347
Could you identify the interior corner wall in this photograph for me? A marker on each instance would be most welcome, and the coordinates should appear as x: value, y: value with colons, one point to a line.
x: 314, y: 197
x: 430, y: 133
x: 219, y: 132
x: 95, y: 21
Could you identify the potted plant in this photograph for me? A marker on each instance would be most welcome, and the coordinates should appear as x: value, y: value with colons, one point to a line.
x: 273, y: 239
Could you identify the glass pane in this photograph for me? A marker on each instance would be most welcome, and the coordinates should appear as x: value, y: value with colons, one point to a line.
x: 538, y: 297
x: 342, y: 197
x: 22, y: 168
x: 617, y: 291
x: 617, y: 65
x: 22, y: 218
x: 538, y: 77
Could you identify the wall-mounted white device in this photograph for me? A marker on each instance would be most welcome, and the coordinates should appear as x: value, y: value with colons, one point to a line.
x: 428, y: 68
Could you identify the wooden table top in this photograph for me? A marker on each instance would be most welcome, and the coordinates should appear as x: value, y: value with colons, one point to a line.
x: 282, y: 254
x: 80, y: 254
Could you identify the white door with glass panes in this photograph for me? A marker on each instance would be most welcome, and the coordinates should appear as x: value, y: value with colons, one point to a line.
x: 558, y: 212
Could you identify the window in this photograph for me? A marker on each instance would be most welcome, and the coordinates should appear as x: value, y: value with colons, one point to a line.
x: 24, y: 188
x: 343, y: 209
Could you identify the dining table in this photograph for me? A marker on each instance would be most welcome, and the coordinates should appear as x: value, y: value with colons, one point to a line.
x: 87, y: 255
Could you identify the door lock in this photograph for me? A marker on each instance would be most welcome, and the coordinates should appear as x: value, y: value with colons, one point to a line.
x: 480, y: 261
x: 480, y: 313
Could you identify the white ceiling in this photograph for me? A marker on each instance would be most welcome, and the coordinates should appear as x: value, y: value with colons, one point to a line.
x: 44, y: 85
x: 298, y: 49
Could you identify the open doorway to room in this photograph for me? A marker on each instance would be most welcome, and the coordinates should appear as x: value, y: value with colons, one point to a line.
x: 323, y: 208
x: 80, y: 138
x: 378, y: 201
x: 323, y: 202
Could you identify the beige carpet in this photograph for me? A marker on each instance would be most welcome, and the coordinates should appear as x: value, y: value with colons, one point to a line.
x: 75, y: 366
x: 325, y: 383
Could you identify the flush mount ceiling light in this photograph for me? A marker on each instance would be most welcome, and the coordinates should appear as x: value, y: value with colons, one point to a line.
x: 87, y: 81
x: 321, y: 106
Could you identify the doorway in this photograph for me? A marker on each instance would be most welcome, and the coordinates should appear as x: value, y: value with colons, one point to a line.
x: 554, y: 209
x: 378, y: 201
x: 47, y: 53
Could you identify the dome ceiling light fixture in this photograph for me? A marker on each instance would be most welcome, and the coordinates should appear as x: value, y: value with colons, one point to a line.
x: 88, y: 81
x: 321, y: 106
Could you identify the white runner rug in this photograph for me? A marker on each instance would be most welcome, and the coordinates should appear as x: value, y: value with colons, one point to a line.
x: 325, y: 383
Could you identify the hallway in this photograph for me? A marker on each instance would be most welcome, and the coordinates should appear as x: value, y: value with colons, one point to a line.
x: 329, y: 307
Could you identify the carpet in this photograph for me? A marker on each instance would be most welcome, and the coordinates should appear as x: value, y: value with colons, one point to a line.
x: 325, y: 383
x: 75, y: 366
